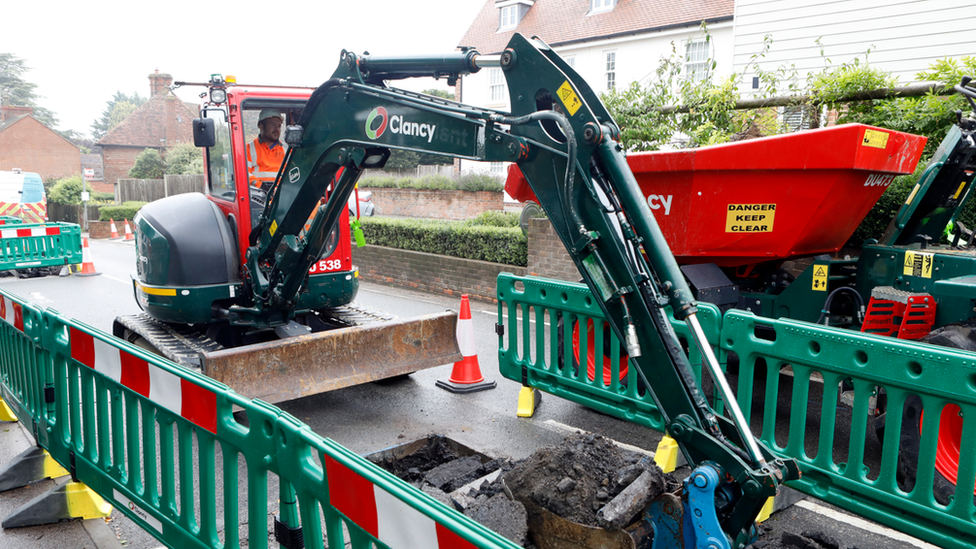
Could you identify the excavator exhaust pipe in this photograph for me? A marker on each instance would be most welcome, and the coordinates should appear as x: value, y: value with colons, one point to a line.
x: 305, y: 365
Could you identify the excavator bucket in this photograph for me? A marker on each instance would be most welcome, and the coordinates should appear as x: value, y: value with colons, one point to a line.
x: 316, y: 363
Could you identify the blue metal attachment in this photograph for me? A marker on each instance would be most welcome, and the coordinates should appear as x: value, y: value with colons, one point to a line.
x: 701, y: 527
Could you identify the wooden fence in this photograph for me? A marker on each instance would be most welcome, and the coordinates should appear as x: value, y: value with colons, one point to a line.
x: 71, y: 213
x: 148, y: 190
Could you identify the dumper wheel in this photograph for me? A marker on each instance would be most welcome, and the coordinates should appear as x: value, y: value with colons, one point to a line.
x: 960, y: 335
x: 909, y: 447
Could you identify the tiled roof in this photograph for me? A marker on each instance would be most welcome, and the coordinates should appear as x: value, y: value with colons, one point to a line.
x: 559, y: 22
x: 163, y: 120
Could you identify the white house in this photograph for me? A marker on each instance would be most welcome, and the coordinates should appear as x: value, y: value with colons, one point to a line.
x: 903, y: 36
x: 611, y: 43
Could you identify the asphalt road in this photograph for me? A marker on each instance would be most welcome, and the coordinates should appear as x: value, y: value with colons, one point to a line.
x: 365, y: 418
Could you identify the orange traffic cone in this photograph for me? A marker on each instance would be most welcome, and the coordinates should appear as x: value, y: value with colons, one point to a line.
x: 466, y: 376
x: 115, y: 231
x: 128, y: 231
x: 87, y: 267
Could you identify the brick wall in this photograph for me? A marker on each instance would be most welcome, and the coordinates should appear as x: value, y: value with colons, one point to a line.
x: 117, y: 161
x: 548, y: 257
x: 431, y: 273
x: 452, y: 276
x: 33, y: 147
x: 455, y: 205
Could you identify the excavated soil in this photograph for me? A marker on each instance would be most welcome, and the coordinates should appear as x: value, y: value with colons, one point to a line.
x: 572, y: 480
x: 578, y: 477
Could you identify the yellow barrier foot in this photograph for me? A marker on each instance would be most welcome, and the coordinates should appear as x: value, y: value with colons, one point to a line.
x: 666, y: 455
x: 785, y: 497
x: 6, y: 414
x: 528, y: 400
x: 32, y: 465
x: 68, y: 501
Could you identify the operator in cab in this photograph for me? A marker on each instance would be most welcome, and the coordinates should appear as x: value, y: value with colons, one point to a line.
x: 266, y: 152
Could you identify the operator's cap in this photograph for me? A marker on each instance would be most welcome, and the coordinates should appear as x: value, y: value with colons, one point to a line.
x: 268, y: 113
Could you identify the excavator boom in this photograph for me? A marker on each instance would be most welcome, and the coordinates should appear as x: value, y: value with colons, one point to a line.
x: 566, y: 144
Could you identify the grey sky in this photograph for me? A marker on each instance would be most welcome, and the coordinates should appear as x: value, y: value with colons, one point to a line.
x: 81, y: 53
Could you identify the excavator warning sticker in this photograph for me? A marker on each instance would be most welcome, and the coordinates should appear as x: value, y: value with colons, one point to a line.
x: 750, y: 218
x: 273, y: 228
x: 874, y: 138
x: 918, y: 264
x: 569, y: 98
x: 820, y: 273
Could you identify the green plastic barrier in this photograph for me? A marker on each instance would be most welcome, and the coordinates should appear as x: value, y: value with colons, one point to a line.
x: 10, y: 220
x: 544, y: 319
x: 163, y: 445
x: 39, y: 245
x: 834, y: 463
x: 23, y: 376
x: 818, y: 365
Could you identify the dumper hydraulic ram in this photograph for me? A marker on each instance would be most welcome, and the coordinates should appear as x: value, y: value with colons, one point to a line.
x: 565, y: 143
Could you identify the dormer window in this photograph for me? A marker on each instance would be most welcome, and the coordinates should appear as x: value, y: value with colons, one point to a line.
x: 511, y: 12
x: 508, y: 17
x: 600, y: 6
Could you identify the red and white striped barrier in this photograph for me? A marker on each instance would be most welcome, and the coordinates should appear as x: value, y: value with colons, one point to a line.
x: 383, y: 515
x: 33, y: 231
x: 11, y: 312
x: 194, y: 403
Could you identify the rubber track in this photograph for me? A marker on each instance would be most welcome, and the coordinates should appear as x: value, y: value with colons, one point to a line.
x: 179, y: 343
x: 183, y: 344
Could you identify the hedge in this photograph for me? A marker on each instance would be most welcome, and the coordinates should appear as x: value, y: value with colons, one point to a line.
x: 471, y: 181
x: 463, y: 239
x: 126, y: 210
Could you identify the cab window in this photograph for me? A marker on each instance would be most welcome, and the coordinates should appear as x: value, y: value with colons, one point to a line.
x: 220, y: 161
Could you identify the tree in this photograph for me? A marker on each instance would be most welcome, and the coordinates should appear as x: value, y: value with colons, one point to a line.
x: 116, y: 110
x: 149, y: 165
x: 15, y: 91
x: 184, y: 158
x: 66, y: 190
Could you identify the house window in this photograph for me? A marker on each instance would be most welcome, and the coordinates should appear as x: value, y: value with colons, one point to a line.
x: 696, y: 60
x: 496, y: 85
x: 497, y: 168
x: 611, y: 69
x: 508, y: 17
x: 571, y: 61
x: 598, y: 6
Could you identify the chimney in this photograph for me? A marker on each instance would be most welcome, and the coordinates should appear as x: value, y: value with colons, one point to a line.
x: 9, y: 111
x: 159, y: 83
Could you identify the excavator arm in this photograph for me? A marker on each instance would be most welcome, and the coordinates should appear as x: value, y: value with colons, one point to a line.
x: 565, y: 143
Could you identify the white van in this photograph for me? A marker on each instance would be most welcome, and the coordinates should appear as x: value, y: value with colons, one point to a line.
x: 22, y: 195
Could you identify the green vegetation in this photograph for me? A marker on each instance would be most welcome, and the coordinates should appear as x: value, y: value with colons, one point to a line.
x: 126, y: 210
x: 467, y: 182
x: 149, y: 165
x: 116, y: 110
x: 492, y: 236
x: 14, y: 90
x: 184, y: 159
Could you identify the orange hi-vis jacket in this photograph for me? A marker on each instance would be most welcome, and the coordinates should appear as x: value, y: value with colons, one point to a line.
x: 263, y: 161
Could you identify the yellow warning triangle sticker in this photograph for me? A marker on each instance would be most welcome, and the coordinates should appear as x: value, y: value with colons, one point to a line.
x: 820, y: 271
x: 909, y: 260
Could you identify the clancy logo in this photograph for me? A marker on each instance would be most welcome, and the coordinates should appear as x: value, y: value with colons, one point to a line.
x: 378, y: 113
